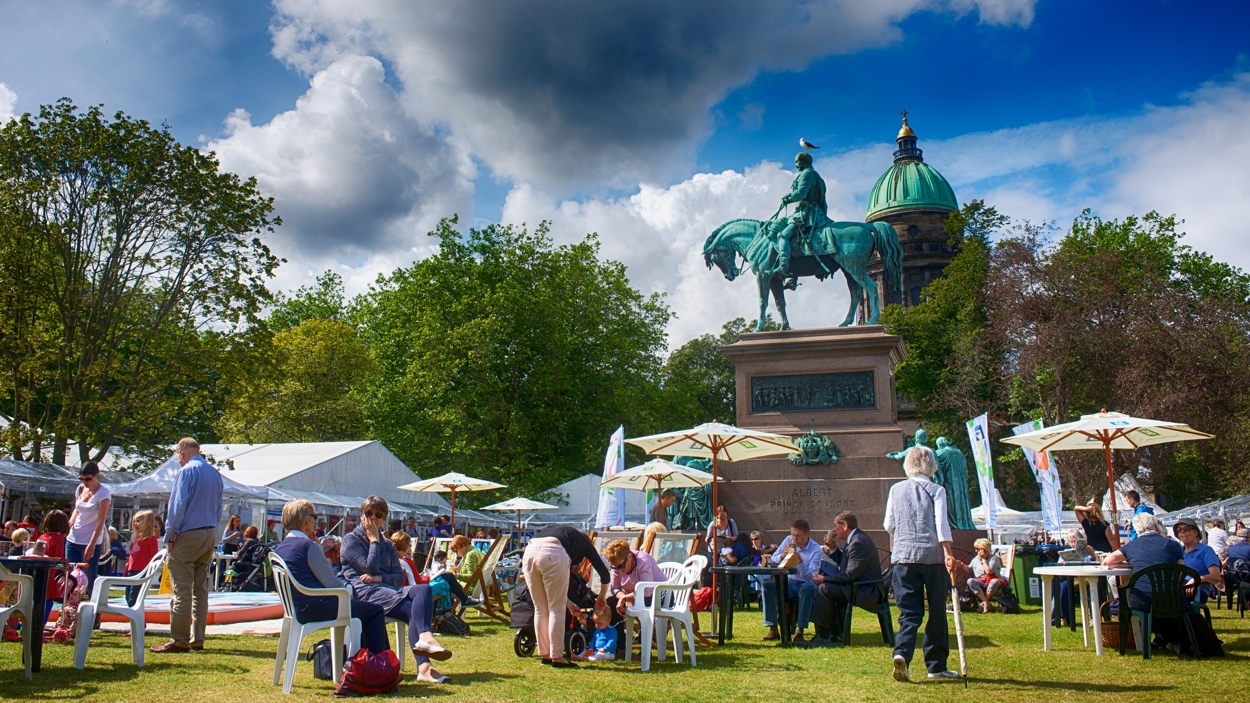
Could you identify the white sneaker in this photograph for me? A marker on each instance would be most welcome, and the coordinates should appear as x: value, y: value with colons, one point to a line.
x: 948, y: 674
x: 900, y: 668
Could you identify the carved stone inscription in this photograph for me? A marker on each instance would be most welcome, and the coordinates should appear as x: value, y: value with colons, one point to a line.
x: 826, y: 391
x: 805, y: 502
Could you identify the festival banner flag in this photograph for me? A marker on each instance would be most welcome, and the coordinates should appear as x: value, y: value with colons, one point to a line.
x: 1047, y: 476
x: 611, y: 500
x: 979, y: 436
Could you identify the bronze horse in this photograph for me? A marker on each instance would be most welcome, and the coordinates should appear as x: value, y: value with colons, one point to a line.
x: 840, y: 245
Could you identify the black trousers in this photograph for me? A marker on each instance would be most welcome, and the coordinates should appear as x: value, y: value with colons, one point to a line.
x: 914, y: 584
x: 372, y: 620
x: 827, y: 605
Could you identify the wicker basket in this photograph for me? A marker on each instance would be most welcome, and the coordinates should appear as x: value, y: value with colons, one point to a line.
x: 1111, y: 631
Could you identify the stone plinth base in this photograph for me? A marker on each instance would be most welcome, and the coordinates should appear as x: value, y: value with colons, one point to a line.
x: 838, y: 382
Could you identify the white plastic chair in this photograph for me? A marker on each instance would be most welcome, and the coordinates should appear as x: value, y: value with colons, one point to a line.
x: 25, y: 607
x: 668, y: 600
x: 99, y: 604
x: 294, y: 631
x: 401, y: 626
x: 677, y: 607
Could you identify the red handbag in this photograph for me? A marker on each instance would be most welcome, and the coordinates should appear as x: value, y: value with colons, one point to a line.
x: 369, y: 674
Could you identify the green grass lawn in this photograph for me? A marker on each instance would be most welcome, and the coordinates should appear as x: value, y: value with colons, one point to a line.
x: 1005, y: 662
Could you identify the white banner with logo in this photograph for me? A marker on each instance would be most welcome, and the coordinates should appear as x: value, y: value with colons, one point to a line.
x: 1047, y: 480
x: 611, y: 501
x: 979, y: 436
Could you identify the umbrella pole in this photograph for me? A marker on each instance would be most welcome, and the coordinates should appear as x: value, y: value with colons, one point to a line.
x: 453, y: 510
x: 715, y: 548
x: 1115, y: 515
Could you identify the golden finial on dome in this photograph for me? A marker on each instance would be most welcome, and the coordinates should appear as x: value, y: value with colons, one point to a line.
x: 905, y: 131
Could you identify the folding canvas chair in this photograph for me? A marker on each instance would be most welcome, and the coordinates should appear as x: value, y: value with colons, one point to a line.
x: 481, y: 584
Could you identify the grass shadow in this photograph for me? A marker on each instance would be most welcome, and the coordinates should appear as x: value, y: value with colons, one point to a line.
x: 1076, y: 686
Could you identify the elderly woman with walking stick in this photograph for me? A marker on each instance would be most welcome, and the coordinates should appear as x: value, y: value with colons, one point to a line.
x: 915, y: 517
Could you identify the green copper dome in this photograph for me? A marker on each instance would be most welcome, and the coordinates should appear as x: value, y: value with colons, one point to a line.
x: 910, y: 184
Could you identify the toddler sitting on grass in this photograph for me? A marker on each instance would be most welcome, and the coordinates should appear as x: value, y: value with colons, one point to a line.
x: 603, y: 644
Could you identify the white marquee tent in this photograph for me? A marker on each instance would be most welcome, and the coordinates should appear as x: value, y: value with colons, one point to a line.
x: 582, y: 496
x: 343, y: 469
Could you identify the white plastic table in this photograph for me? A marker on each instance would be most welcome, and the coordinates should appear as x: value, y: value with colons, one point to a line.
x: 1087, y: 578
x: 218, y: 558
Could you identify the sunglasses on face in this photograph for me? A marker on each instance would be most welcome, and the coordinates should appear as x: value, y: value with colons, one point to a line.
x: 373, y: 515
x: 85, y: 479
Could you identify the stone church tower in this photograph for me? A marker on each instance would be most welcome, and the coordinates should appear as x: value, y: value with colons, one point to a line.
x: 915, y: 199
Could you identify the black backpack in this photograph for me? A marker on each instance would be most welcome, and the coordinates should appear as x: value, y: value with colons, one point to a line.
x: 1238, y: 571
x: 451, y: 624
x: 1007, y: 602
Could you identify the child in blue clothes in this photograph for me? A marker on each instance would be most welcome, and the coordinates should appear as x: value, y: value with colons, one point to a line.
x: 603, y: 644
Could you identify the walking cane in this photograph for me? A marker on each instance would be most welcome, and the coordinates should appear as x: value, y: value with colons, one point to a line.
x: 959, y: 629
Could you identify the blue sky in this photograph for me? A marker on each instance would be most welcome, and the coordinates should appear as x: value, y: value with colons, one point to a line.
x: 653, y: 122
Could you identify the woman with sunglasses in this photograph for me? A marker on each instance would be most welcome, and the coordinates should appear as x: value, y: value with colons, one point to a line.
x: 371, y: 563
x: 92, y: 501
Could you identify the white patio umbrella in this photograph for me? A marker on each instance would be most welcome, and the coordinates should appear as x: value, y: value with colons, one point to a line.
x: 1106, y: 431
x: 719, y: 442
x: 519, y: 504
x: 658, y: 474
x: 451, y: 483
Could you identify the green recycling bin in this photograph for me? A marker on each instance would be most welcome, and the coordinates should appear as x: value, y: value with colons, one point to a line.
x: 1026, y: 586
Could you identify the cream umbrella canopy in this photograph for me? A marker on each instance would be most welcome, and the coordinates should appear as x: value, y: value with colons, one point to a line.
x: 451, y: 483
x: 1106, y: 431
x: 519, y: 504
x: 658, y: 474
x: 719, y: 442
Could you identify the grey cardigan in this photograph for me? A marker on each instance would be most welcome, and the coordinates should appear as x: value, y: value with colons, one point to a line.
x: 359, y: 556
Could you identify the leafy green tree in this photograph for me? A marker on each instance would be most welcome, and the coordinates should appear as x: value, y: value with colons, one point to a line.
x: 699, y: 383
x: 324, y: 301
x: 131, y: 262
x: 1121, y: 315
x: 509, y: 358
x: 308, y: 391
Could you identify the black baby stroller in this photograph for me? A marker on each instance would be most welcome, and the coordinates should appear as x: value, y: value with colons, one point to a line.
x: 247, y: 574
x: 577, y: 634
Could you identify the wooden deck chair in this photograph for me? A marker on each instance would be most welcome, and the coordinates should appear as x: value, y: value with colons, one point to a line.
x: 482, y: 584
x: 438, y: 544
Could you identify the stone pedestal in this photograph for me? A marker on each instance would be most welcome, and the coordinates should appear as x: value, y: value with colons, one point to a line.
x: 838, y: 382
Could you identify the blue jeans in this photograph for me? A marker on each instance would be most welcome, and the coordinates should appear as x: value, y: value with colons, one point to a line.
x: 74, y: 553
x: 913, y: 585
x: 801, y: 591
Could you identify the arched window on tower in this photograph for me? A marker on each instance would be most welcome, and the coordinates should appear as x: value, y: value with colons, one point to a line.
x: 913, y: 231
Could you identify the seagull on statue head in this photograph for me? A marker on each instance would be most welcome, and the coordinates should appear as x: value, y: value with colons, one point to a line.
x: 807, y: 146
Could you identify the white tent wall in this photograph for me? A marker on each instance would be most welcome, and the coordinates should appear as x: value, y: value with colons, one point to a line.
x: 582, y: 494
x: 333, y: 468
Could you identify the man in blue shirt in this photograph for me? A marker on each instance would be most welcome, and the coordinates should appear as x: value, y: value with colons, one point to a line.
x: 191, y: 533
x: 799, y: 586
x: 1133, y: 498
x: 1199, y: 557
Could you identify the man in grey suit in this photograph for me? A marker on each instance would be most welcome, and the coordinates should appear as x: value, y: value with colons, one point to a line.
x: 859, y: 563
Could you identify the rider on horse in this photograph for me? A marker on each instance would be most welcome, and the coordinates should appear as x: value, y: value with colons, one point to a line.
x: 811, y: 213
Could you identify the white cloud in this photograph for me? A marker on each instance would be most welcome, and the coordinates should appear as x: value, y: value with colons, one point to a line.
x: 571, y: 96
x: 659, y: 234
x: 1188, y: 159
x: 355, y: 180
x: 8, y: 104
x: 1019, y: 12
